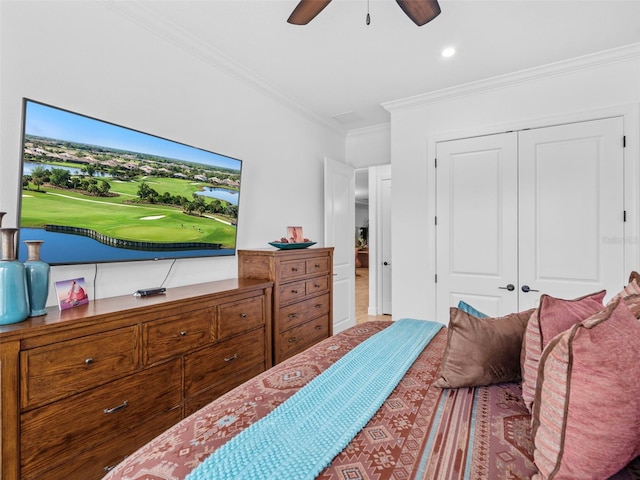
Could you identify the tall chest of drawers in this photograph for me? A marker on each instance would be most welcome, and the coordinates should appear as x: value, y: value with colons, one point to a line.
x: 83, y: 388
x: 302, y: 294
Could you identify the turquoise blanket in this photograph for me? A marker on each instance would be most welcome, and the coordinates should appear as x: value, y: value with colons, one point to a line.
x: 300, y: 437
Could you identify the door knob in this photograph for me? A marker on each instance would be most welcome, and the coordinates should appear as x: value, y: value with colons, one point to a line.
x: 385, y: 263
x: 509, y: 287
x: 526, y: 289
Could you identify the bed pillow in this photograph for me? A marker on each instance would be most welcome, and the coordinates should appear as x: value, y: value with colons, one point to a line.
x: 586, y: 416
x: 634, y: 276
x: 553, y: 316
x: 482, y: 351
x: 465, y: 307
x: 633, y: 304
x: 632, y: 288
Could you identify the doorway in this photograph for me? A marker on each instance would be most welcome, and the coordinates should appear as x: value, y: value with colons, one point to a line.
x: 361, y: 237
x: 372, y: 243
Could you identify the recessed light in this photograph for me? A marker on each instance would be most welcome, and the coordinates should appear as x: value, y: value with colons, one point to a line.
x: 448, y: 52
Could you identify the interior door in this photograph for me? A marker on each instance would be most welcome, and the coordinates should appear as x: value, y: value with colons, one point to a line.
x: 386, y: 246
x: 525, y: 213
x: 572, y: 204
x: 477, y: 224
x: 339, y: 218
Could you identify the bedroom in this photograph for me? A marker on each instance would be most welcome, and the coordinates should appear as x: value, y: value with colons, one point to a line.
x: 121, y: 75
x: 230, y: 118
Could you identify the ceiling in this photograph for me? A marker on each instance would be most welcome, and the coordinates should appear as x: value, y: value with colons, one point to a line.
x: 340, y: 70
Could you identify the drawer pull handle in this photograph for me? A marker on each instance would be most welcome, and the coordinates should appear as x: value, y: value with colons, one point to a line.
x: 183, y: 333
x: 89, y: 361
x: 317, y: 266
x: 294, y: 315
x: 108, y: 468
x: 123, y: 405
x: 243, y: 315
x: 315, y: 285
x: 294, y: 291
x: 293, y: 340
x: 230, y: 359
x: 318, y: 305
x: 294, y: 269
x: 318, y: 327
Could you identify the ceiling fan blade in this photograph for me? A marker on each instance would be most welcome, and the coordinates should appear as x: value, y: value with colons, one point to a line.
x: 306, y: 11
x: 420, y: 11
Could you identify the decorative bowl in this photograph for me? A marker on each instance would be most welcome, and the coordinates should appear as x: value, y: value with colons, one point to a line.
x: 291, y: 246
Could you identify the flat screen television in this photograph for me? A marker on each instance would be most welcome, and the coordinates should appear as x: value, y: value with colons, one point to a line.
x: 98, y: 192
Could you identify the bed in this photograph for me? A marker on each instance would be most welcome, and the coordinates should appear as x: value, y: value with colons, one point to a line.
x: 420, y: 430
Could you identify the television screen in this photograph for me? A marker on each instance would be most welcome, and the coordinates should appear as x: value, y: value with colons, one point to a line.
x: 98, y: 192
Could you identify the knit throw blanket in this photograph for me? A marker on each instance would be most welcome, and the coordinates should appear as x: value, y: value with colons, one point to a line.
x: 299, y: 438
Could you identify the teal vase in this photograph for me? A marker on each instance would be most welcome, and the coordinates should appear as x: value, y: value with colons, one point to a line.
x: 37, y: 278
x: 14, y: 297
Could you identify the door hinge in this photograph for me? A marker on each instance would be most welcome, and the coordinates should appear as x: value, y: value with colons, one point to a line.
x: 435, y: 163
x: 435, y: 220
x: 436, y: 279
x: 624, y: 215
x: 624, y: 141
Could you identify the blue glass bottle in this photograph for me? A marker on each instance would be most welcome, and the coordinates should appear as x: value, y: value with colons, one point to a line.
x: 37, y: 278
x: 14, y: 297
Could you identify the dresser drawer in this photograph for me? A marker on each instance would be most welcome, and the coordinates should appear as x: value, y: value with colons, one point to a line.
x: 93, y: 464
x: 240, y: 316
x: 83, y: 422
x: 317, y: 285
x: 214, y: 364
x: 302, y: 337
x: 292, y: 269
x: 292, y: 291
x: 55, y: 371
x: 300, y: 312
x: 175, y: 335
x: 317, y: 265
x: 226, y: 384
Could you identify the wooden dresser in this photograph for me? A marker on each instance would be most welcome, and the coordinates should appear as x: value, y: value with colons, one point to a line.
x: 302, y: 294
x: 83, y: 388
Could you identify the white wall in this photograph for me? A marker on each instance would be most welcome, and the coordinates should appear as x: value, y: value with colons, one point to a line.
x: 605, y: 84
x: 368, y: 147
x: 87, y: 58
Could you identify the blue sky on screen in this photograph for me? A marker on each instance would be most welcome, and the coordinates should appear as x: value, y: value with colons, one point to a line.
x: 50, y: 122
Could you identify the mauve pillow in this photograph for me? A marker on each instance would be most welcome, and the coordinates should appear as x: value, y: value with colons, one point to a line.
x: 633, y: 304
x: 632, y: 288
x: 586, y: 416
x: 553, y: 316
x: 482, y: 351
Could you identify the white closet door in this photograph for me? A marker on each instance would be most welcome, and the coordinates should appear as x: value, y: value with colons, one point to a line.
x: 477, y: 224
x: 571, y: 210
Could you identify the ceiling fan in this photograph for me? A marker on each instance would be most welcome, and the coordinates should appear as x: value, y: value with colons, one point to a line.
x: 419, y: 11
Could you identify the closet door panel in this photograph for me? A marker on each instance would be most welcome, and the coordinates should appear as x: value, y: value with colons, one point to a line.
x: 477, y: 223
x: 571, y: 230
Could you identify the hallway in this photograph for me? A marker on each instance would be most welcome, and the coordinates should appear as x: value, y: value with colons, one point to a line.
x: 362, y: 298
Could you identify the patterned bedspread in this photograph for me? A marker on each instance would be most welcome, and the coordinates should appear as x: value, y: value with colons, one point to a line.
x: 420, y: 432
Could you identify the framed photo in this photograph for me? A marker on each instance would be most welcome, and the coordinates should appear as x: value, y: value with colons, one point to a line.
x: 71, y: 293
x: 294, y: 235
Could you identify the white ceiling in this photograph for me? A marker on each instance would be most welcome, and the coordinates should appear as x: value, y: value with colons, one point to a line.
x: 340, y: 70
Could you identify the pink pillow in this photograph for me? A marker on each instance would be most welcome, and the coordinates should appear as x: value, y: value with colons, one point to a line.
x: 632, y: 288
x: 586, y: 415
x: 552, y: 317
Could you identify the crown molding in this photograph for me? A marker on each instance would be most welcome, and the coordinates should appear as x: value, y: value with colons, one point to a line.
x: 615, y: 55
x: 142, y: 14
x: 371, y: 130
